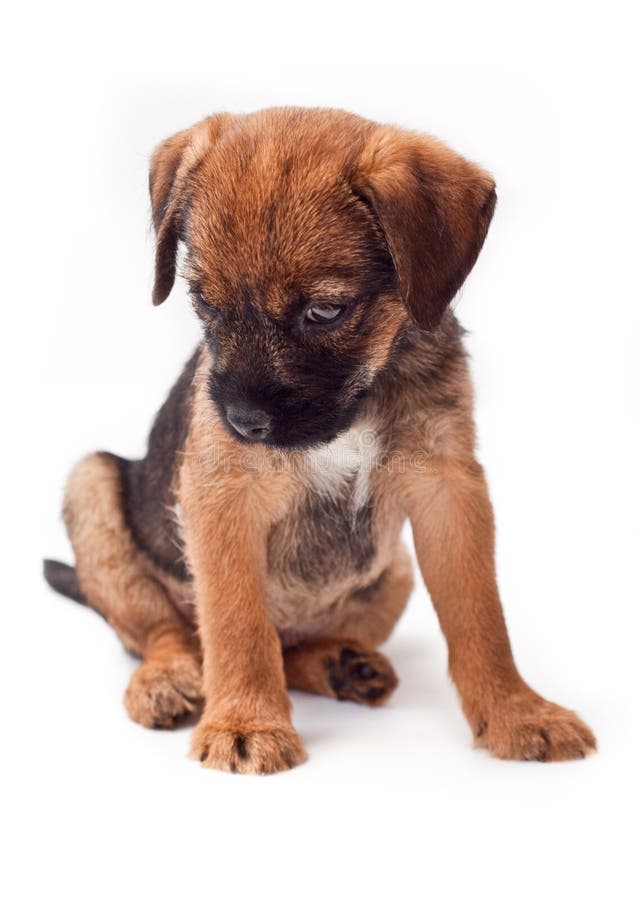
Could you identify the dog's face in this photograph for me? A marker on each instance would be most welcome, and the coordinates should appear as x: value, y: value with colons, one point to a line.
x: 311, y: 237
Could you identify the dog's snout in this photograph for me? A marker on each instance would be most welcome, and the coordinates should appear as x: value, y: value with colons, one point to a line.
x: 250, y: 423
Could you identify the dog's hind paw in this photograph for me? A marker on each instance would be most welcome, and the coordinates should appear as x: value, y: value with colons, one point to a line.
x: 251, y: 750
x: 365, y: 677
x: 160, y: 695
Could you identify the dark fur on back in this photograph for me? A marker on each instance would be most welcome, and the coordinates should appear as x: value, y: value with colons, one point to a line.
x: 149, y: 484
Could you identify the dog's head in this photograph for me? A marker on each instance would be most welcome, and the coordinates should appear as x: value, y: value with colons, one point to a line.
x: 311, y: 237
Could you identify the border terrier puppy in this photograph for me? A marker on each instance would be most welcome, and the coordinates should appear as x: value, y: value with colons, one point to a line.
x: 256, y: 547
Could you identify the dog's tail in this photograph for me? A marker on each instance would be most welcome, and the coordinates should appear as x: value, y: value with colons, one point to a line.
x: 63, y: 579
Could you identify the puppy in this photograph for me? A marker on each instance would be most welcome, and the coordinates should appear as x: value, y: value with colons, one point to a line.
x: 257, y: 545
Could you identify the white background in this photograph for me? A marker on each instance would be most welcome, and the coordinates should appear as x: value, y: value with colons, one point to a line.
x: 392, y: 802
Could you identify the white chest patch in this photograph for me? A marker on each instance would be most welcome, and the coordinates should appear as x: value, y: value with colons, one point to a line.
x: 346, y: 462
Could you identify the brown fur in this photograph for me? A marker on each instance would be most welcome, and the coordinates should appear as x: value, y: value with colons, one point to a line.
x: 285, y: 578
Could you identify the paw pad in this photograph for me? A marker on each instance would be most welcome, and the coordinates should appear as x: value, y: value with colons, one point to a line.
x: 361, y: 676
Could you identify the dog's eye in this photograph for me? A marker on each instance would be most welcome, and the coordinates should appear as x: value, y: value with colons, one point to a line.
x: 209, y: 307
x: 324, y: 314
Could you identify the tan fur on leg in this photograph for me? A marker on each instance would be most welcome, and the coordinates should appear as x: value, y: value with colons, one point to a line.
x: 116, y: 577
x: 120, y: 583
x: 245, y: 726
x: 454, y: 533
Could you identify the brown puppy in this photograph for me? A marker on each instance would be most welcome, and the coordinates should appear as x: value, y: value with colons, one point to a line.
x: 257, y: 544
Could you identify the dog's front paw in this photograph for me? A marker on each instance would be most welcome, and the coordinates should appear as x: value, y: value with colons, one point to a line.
x: 528, y: 727
x: 251, y: 750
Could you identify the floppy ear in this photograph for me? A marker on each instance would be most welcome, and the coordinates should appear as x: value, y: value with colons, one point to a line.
x: 434, y: 208
x: 171, y: 164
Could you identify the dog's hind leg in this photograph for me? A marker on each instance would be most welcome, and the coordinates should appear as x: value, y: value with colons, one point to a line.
x: 344, y: 663
x: 118, y: 580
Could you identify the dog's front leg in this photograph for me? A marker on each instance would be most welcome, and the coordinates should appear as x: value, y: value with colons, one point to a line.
x: 452, y: 520
x: 245, y: 726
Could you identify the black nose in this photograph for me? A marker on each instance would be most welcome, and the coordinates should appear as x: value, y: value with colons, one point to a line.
x: 250, y: 423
